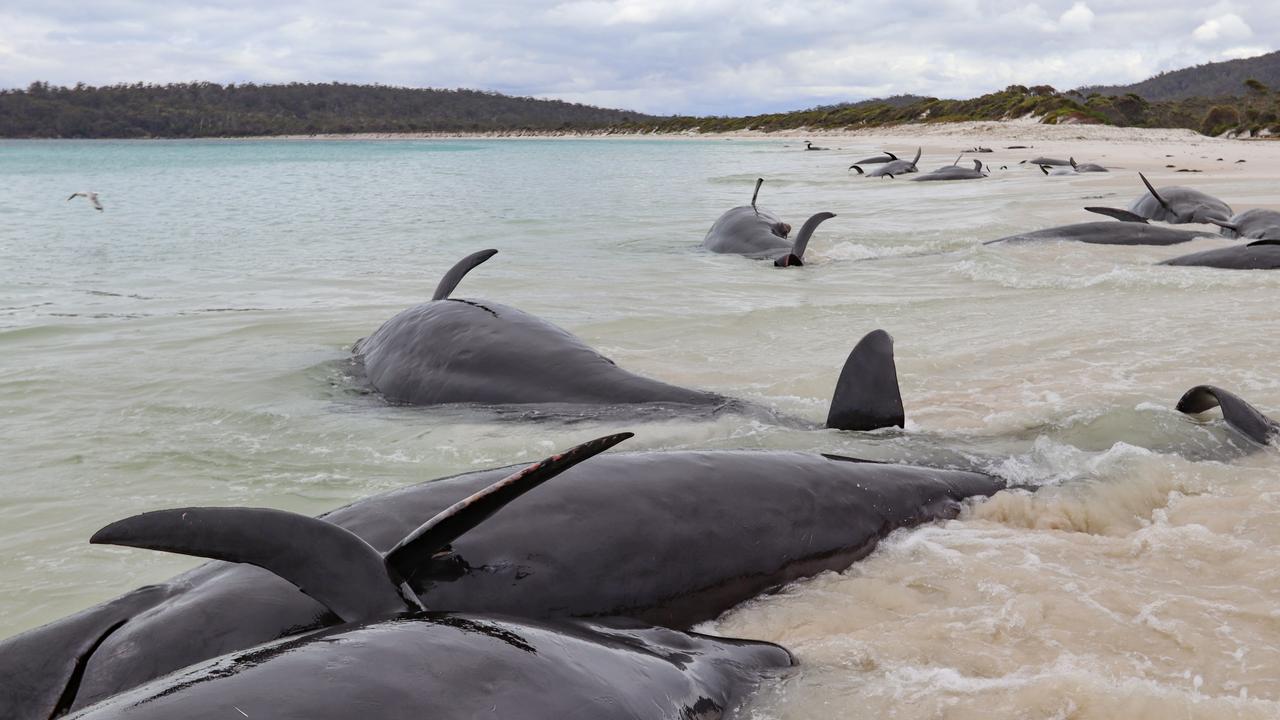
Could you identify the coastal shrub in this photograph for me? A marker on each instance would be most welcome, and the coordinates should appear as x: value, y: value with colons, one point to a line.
x: 1220, y: 119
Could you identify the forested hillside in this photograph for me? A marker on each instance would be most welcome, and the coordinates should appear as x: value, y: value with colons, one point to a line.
x: 1211, y: 80
x: 213, y: 110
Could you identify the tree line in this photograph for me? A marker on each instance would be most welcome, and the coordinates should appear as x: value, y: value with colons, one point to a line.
x: 204, y: 109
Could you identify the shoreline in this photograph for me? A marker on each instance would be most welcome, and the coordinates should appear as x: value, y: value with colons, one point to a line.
x: 974, y: 132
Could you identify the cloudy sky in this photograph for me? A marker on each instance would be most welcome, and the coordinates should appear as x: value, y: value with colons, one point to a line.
x: 659, y: 56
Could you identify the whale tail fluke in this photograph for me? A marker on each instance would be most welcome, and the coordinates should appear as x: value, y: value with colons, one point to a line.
x: 1117, y: 213
x: 458, y: 271
x: 796, y: 256
x: 1237, y: 413
x: 867, y: 395
x: 326, y: 561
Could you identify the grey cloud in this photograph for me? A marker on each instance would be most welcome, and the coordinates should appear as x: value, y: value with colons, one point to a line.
x: 663, y: 56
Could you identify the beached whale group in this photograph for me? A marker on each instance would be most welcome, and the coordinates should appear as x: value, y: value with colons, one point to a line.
x: 567, y: 587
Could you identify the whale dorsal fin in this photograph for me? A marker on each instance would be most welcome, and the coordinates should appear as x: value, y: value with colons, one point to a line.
x: 867, y: 395
x: 845, y: 458
x: 977, y: 165
x: 855, y: 167
x: 1117, y: 213
x: 1260, y: 243
x: 327, y: 562
x: 416, y: 549
x: 1239, y: 414
x: 1151, y: 189
x: 796, y: 256
x: 890, y: 155
x: 460, y: 269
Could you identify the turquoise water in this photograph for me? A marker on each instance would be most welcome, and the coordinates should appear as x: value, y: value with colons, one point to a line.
x: 186, y: 346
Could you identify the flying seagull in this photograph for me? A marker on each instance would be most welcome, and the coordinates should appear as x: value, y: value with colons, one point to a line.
x: 93, y: 198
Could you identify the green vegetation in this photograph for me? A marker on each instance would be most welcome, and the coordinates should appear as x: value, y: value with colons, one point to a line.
x: 1211, y: 80
x: 1252, y: 113
x: 212, y: 110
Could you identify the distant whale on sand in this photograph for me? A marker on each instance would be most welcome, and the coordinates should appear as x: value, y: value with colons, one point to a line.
x: 891, y: 168
x: 759, y: 234
x: 953, y: 172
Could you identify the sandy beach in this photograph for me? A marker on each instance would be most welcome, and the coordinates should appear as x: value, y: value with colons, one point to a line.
x: 1169, y: 156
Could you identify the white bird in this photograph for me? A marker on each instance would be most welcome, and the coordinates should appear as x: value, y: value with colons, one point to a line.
x: 93, y: 198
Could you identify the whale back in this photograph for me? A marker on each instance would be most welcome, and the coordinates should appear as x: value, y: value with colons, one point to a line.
x: 449, y: 666
x: 745, y: 231
x: 468, y: 351
x: 1177, y: 204
x: 1257, y: 255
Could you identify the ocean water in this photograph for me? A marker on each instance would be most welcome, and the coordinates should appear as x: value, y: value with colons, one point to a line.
x: 188, y: 346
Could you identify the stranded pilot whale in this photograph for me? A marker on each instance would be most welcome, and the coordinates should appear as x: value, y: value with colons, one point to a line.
x: 748, y: 230
x: 1174, y: 204
x: 670, y: 538
x: 388, y: 655
x: 459, y: 667
x: 953, y: 172
x: 1136, y: 232
x: 1257, y: 255
x: 452, y: 350
x: 891, y: 168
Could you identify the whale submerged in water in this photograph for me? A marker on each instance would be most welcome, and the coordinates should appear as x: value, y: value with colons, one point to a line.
x: 670, y: 538
x: 452, y: 350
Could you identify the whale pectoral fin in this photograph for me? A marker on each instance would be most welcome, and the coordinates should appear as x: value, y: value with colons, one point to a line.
x: 458, y: 271
x: 889, y: 175
x: 1239, y: 414
x: 1044, y: 169
x: 1117, y: 213
x: 916, y: 159
x: 419, y: 547
x: 802, y: 238
x: 327, y: 562
x: 1260, y: 243
x: 867, y: 395
x: 759, y: 182
x: 788, y: 260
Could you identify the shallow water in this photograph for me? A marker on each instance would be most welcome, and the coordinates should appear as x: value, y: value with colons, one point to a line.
x: 186, y: 346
